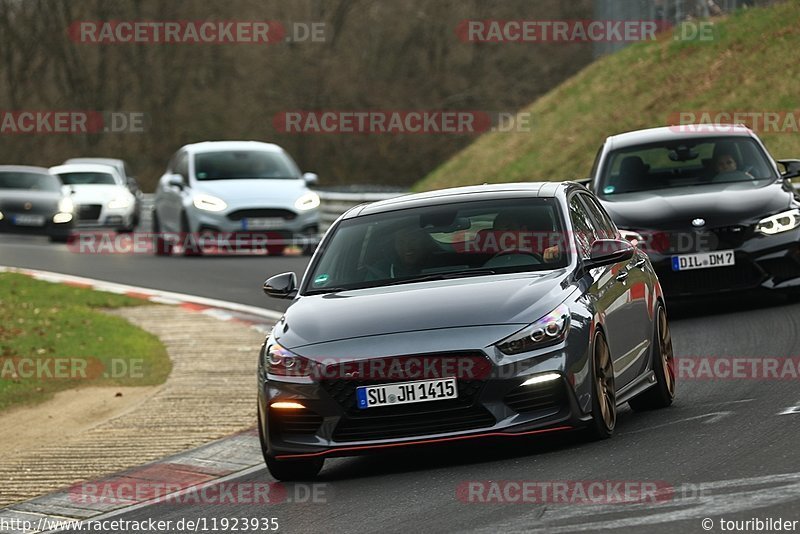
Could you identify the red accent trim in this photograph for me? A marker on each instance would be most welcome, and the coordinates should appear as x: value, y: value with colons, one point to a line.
x: 423, y: 442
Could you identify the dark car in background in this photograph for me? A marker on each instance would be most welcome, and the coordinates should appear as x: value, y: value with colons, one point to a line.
x: 476, y: 312
x: 33, y: 201
x: 709, y: 205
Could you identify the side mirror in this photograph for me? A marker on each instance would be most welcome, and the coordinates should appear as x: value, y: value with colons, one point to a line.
x: 792, y: 167
x: 175, y: 180
x: 608, y: 252
x: 310, y: 178
x: 281, y: 286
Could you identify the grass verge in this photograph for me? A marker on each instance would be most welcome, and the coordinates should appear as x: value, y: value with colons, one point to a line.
x: 55, y: 337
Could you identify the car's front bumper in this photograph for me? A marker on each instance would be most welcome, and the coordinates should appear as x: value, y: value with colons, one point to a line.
x: 494, y: 405
x: 761, y: 262
x: 285, y: 226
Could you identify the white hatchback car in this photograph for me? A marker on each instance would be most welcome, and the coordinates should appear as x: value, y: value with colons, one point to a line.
x: 241, y: 188
x: 100, y: 195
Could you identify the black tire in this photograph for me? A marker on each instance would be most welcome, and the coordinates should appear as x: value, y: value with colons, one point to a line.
x: 604, y: 393
x: 191, y: 247
x: 662, y: 393
x: 161, y: 246
x: 292, y: 470
x: 289, y: 470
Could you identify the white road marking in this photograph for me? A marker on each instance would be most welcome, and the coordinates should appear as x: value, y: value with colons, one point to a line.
x: 791, y: 410
x: 714, y: 417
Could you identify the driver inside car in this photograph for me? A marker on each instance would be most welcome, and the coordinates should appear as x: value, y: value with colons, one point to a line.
x: 530, y: 230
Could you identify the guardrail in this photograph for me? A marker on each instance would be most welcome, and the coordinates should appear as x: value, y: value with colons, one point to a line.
x: 334, y: 203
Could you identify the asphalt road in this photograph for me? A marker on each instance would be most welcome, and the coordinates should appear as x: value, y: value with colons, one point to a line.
x: 724, y: 450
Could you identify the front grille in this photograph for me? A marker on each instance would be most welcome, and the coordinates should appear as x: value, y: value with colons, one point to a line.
x: 295, y: 422
x: 238, y: 215
x: 536, y: 397
x: 743, y: 275
x: 702, y: 240
x: 89, y: 212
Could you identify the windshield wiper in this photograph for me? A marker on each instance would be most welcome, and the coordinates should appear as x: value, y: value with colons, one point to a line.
x: 442, y: 276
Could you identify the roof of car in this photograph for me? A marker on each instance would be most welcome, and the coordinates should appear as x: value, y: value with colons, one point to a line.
x: 23, y: 168
x: 676, y: 133
x: 460, y: 194
x: 84, y: 167
x: 99, y: 161
x: 213, y: 146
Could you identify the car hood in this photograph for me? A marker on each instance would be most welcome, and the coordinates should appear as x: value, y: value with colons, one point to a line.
x: 719, y: 204
x: 510, y: 300
x: 96, y: 193
x: 261, y: 190
x: 15, y: 197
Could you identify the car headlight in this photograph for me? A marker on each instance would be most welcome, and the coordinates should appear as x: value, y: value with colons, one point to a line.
x: 283, y: 362
x: 549, y: 330
x: 1, y: 215
x: 208, y: 203
x: 782, y: 222
x: 309, y: 201
x: 65, y: 205
x: 120, y: 203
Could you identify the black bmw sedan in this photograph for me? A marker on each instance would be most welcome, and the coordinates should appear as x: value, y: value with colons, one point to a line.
x: 707, y: 203
x: 473, y: 313
x: 32, y: 201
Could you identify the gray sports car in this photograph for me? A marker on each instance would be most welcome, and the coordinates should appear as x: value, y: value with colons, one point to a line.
x: 482, y: 312
x: 32, y: 200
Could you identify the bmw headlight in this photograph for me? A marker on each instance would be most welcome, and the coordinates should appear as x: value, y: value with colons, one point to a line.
x: 208, y: 203
x: 65, y: 205
x: 309, y: 201
x: 549, y: 330
x: 782, y: 222
x: 120, y: 203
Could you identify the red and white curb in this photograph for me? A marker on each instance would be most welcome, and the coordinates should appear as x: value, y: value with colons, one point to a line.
x: 259, y: 318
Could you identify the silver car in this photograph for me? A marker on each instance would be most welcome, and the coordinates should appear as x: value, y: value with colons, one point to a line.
x: 241, y: 188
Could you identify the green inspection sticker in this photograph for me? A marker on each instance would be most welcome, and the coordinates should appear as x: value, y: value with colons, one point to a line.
x: 321, y: 279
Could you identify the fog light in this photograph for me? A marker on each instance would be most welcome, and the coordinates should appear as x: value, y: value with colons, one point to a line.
x: 61, y: 218
x: 539, y: 379
x: 285, y: 405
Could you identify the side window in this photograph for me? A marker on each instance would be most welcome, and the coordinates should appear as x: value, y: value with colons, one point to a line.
x: 596, y: 162
x: 182, y: 166
x: 603, y: 223
x: 585, y: 233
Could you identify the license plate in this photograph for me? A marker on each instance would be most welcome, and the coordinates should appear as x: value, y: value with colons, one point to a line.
x: 406, y: 393
x: 29, y: 220
x: 262, y: 223
x: 703, y: 260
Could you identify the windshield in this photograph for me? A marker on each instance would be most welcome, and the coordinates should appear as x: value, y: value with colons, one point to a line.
x: 445, y: 241
x: 244, y: 164
x: 29, y: 181
x: 82, y: 178
x: 688, y: 162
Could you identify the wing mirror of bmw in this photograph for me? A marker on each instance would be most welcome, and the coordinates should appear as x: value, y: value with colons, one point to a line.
x: 281, y: 286
x: 792, y: 167
x: 608, y: 252
x: 310, y: 178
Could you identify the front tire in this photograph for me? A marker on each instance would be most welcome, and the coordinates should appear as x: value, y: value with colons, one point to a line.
x: 662, y: 393
x: 604, y: 393
x: 288, y: 470
x: 161, y: 246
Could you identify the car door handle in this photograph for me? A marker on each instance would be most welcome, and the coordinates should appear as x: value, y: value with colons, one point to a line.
x: 622, y: 276
x: 640, y: 263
